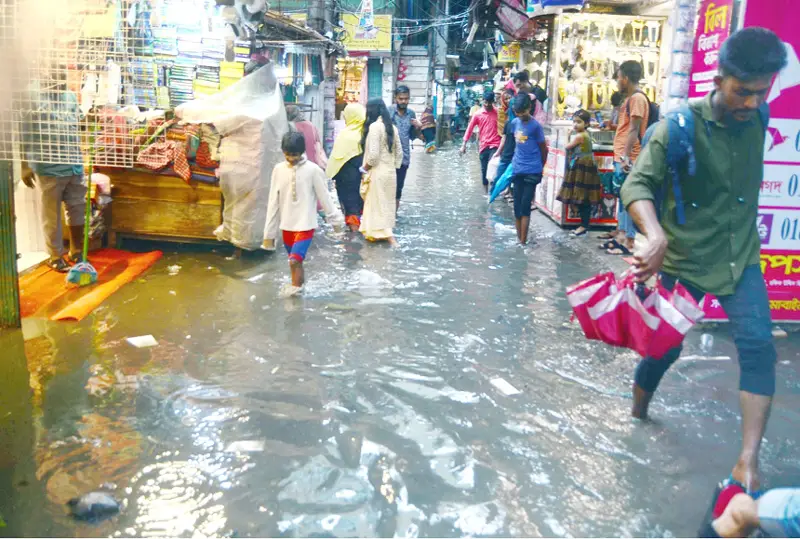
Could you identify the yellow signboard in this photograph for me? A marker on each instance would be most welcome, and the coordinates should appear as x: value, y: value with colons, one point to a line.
x: 357, y: 38
x: 509, y: 53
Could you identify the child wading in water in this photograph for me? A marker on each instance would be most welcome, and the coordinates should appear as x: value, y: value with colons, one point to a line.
x: 530, y: 155
x: 582, y: 186
x: 297, y: 186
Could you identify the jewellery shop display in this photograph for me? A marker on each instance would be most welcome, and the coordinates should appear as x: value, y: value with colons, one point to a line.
x: 589, y: 53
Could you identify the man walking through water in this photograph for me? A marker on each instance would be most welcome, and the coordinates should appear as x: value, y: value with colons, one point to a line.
x: 717, y: 249
x: 488, y: 137
x: 409, y: 128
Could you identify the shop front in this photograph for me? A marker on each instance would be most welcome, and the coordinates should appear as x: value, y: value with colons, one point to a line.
x: 587, y: 49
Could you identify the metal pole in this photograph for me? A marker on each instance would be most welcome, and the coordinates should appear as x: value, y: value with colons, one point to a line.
x: 9, y: 279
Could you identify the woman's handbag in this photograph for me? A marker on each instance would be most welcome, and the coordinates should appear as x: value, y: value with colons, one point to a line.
x: 366, y: 179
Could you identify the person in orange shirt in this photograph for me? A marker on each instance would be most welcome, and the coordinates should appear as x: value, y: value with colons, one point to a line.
x: 633, y: 117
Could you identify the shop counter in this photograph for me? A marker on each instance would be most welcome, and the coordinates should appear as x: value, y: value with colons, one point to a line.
x: 163, y: 207
x: 605, y: 214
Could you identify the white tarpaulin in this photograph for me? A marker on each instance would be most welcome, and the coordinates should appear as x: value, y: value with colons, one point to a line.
x: 251, y: 118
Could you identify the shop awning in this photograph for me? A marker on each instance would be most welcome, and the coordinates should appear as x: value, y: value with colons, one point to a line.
x: 281, y: 29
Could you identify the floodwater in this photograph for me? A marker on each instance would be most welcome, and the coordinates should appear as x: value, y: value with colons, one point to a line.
x: 371, y: 406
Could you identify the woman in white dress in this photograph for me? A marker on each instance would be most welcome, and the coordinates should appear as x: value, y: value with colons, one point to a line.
x: 383, y: 155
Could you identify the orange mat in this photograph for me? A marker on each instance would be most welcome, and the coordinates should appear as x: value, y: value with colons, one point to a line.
x: 45, y: 293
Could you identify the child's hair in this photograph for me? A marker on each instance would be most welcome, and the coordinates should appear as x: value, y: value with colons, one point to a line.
x: 522, y: 103
x: 616, y: 99
x: 583, y: 115
x: 293, y: 143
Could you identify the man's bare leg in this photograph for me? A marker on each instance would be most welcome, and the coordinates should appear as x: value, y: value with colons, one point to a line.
x: 524, y: 224
x: 518, y: 226
x: 641, y: 402
x: 755, y: 414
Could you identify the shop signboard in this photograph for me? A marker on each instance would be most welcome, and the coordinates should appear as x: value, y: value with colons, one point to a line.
x: 779, y: 205
x: 509, y: 53
x: 358, y: 37
x: 713, y: 28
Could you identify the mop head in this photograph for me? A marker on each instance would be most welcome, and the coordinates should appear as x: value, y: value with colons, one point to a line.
x: 82, y: 274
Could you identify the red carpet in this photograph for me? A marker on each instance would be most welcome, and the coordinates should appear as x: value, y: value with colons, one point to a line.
x: 45, y: 293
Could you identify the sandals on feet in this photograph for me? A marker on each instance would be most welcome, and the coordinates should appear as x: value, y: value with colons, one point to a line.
x: 619, y: 250
x: 610, y: 244
x: 58, y: 264
x: 576, y: 234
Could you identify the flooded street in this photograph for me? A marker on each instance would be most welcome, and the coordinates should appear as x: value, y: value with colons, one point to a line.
x: 381, y: 403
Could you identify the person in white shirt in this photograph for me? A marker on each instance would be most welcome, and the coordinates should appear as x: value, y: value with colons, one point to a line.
x: 297, y: 186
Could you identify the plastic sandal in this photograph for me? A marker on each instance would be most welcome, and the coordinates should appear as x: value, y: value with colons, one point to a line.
x: 58, y: 264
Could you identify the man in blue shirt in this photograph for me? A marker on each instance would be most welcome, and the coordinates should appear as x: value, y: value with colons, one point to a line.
x: 55, y: 162
x: 409, y: 128
x: 530, y: 155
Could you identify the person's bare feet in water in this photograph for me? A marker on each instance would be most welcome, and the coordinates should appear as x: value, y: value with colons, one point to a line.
x: 392, y: 242
x: 641, y: 403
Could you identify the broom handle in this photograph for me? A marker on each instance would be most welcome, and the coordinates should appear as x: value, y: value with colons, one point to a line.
x: 88, y: 218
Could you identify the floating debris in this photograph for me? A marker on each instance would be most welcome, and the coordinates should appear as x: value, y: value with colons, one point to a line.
x: 144, y: 341
x: 504, y: 387
x: 94, y: 506
x: 174, y: 269
x: 246, y: 446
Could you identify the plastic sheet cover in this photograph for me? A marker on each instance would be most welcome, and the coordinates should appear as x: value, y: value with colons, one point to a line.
x: 251, y: 118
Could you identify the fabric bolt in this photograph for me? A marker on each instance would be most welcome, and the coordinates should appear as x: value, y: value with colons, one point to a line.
x: 380, y: 204
x: 348, y: 143
x: 527, y: 155
x: 639, y: 108
x: 406, y: 130
x: 524, y: 191
x: 486, y: 122
x: 51, y: 139
x: 348, y: 183
x: 203, y: 157
x: 297, y: 243
x: 751, y: 326
x: 53, y: 191
x: 582, y: 184
x: 160, y: 154
x: 720, y: 238
x: 293, y: 195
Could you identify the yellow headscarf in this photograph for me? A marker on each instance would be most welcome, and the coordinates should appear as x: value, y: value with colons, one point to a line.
x: 348, y: 142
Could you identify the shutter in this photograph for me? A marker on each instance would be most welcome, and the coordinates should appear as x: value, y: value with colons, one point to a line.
x: 374, y: 78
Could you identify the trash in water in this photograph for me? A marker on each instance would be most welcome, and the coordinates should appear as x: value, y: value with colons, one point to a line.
x: 706, y: 343
x: 504, y: 387
x: 706, y: 358
x: 94, y: 506
x: 173, y: 270
x: 778, y: 333
x: 144, y: 341
x: 173, y: 293
x: 246, y: 446
x: 252, y: 298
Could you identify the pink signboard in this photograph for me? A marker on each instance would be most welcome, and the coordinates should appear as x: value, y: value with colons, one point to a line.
x: 779, y: 207
x: 713, y: 28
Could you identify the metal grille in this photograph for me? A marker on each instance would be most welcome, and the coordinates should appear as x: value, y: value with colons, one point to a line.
x: 70, y: 68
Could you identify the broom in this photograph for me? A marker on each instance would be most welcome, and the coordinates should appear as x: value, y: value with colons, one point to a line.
x: 83, y: 273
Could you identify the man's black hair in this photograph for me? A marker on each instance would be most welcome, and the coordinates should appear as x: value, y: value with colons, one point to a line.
x: 752, y: 53
x: 616, y: 99
x: 293, y: 143
x: 488, y: 96
x: 631, y: 69
x: 522, y: 102
x: 522, y: 76
x: 402, y: 89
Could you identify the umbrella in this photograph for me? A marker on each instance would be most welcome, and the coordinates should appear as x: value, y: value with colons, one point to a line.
x: 501, y: 184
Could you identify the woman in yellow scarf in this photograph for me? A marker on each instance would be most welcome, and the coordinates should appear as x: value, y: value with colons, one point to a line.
x: 345, y: 161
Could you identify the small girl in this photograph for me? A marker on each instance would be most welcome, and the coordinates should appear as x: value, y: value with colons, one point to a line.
x: 582, y: 185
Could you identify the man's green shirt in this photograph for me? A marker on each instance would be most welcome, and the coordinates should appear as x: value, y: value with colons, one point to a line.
x: 720, y: 237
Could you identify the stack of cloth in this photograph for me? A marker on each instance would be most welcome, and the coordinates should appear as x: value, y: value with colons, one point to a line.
x: 207, y: 81
x: 145, y: 81
x: 165, y: 41
x: 214, y: 49
x: 230, y: 73
x: 242, y: 51
x: 181, y: 81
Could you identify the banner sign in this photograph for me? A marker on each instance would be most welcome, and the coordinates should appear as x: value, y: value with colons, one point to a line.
x: 713, y: 28
x: 361, y: 34
x: 779, y: 203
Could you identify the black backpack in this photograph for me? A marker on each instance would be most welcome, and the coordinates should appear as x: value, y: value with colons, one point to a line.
x: 654, y: 112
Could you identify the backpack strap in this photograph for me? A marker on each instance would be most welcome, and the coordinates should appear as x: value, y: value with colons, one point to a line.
x: 680, y: 150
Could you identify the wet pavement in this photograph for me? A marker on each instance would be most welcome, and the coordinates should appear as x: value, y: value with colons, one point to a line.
x: 367, y: 407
